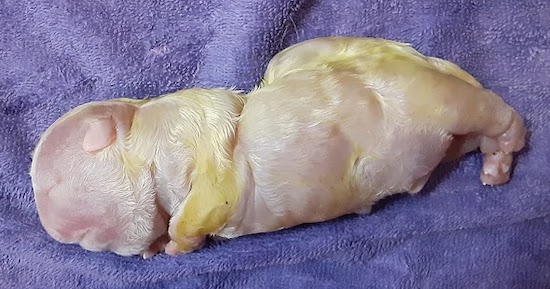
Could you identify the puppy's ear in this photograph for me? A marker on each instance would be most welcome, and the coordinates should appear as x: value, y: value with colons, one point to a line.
x: 117, y: 117
x: 100, y: 134
x: 90, y: 127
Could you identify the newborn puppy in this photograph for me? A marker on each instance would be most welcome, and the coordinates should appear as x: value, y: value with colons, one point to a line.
x: 336, y: 125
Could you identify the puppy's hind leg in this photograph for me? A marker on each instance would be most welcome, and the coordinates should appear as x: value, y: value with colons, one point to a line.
x: 464, y: 109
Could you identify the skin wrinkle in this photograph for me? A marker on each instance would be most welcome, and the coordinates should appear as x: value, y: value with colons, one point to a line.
x: 336, y: 125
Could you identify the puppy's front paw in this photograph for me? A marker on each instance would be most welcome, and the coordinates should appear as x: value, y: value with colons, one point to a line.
x: 157, y: 247
x: 184, y: 245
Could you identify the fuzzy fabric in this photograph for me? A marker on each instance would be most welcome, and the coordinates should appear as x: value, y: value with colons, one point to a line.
x: 56, y: 54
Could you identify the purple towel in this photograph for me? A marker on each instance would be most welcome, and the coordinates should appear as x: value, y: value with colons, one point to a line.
x: 56, y: 54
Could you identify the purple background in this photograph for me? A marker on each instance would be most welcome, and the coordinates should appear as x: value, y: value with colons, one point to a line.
x: 56, y: 54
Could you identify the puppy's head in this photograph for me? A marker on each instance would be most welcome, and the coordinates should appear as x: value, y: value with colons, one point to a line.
x: 89, y: 188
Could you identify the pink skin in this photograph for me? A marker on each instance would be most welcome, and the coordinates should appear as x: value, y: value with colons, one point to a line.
x: 88, y: 206
x: 93, y: 189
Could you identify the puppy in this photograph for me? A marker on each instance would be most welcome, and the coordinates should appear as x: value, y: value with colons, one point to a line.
x: 337, y: 124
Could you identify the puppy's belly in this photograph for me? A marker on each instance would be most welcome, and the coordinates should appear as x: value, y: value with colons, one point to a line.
x: 319, y: 151
x: 337, y: 175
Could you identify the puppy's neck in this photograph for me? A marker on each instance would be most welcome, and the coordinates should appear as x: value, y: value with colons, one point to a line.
x: 187, y: 138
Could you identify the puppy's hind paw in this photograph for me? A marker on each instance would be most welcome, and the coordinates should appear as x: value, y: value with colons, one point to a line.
x: 496, y: 168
